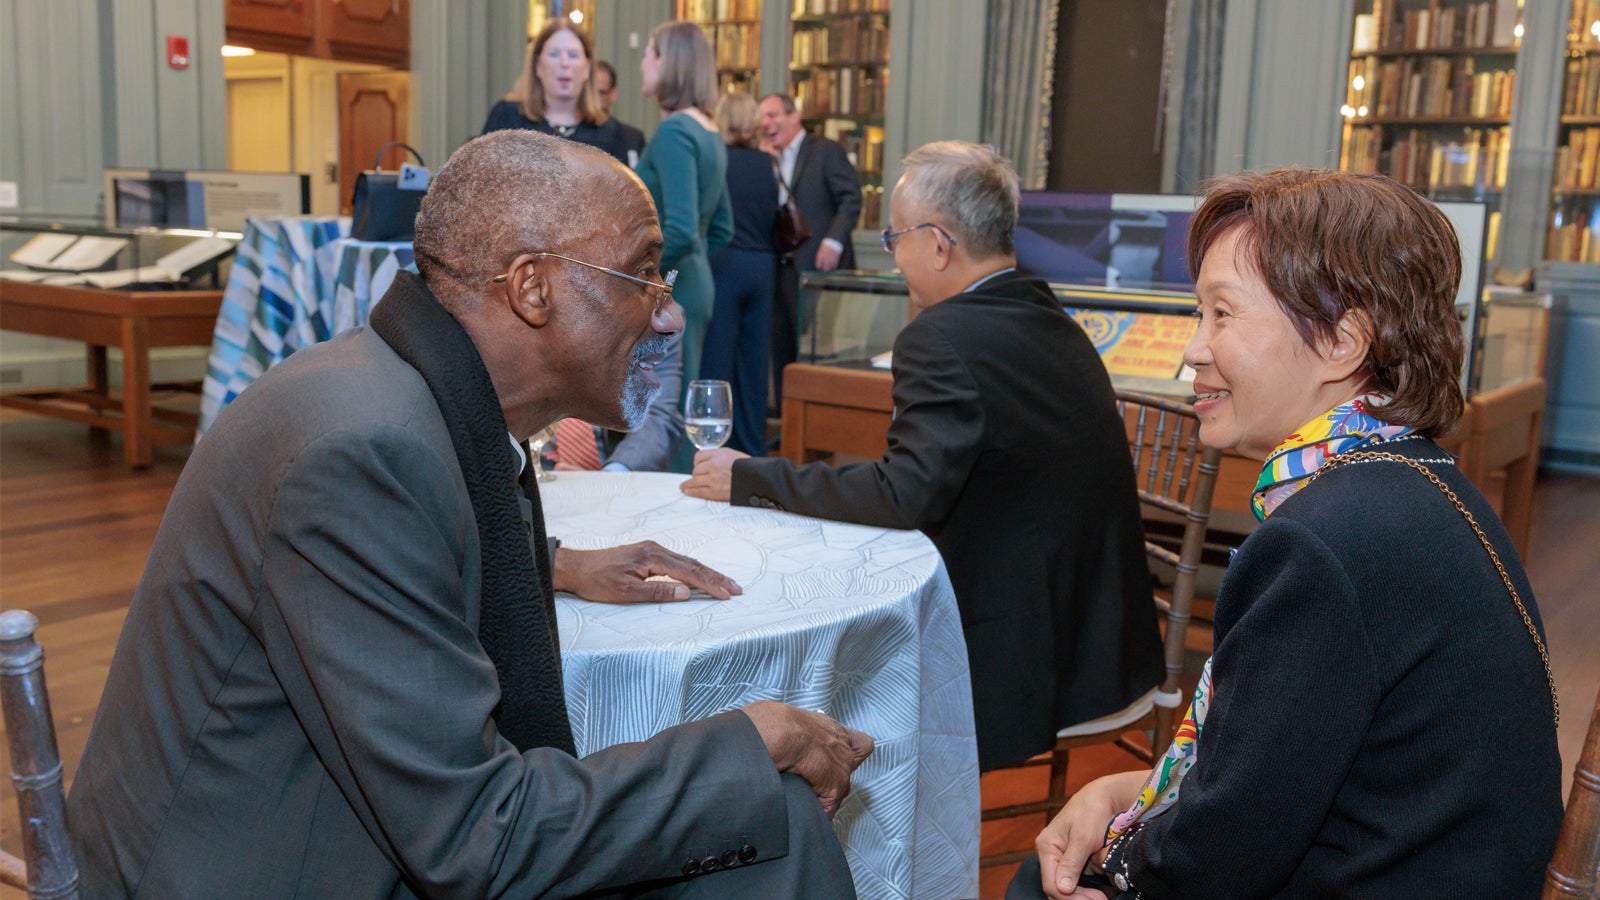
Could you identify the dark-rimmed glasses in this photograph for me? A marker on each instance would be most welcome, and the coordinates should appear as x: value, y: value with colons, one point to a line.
x: 663, y: 287
x: 886, y: 237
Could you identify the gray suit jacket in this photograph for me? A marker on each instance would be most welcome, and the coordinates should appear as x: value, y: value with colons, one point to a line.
x: 649, y: 447
x: 299, y: 704
x: 828, y: 191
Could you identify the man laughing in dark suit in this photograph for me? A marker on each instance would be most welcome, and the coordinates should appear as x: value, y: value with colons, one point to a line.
x: 1007, y: 450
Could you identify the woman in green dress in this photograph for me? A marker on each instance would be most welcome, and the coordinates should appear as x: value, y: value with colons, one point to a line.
x: 685, y: 167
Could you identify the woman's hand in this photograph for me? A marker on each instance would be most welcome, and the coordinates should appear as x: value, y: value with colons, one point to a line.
x: 1077, y: 834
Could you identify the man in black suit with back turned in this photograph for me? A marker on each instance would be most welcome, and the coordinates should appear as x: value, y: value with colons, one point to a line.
x: 1007, y: 450
x: 828, y: 192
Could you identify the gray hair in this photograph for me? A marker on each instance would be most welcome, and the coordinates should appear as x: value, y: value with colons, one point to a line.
x: 970, y: 188
x: 499, y: 194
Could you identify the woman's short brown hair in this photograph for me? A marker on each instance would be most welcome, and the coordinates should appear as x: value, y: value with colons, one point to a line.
x: 739, y: 117
x: 1327, y: 243
x: 589, y: 108
x: 688, y: 68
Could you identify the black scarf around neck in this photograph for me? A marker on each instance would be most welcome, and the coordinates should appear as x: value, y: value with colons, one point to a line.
x: 517, y: 621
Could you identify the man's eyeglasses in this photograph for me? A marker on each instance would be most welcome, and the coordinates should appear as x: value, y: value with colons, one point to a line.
x: 663, y: 287
x: 887, y: 237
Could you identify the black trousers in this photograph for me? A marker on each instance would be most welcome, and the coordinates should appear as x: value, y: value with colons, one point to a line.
x: 785, y: 326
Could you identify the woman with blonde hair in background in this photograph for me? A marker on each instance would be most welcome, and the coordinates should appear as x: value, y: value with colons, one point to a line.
x: 746, y: 275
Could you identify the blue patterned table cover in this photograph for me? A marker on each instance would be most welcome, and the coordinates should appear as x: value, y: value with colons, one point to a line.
x: 856, y: 621
x: 295, y: 282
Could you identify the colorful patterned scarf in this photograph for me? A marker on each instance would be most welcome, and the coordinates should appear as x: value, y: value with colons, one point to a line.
x: 1287, y: 469
x: 1345, y: 427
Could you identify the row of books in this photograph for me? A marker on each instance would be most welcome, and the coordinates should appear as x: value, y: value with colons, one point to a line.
x: 1581, y: 97
x: 1438, y: 26
x: 1478, y: 160
x: 863, y: 145
x: 1578, y: 161
x: 848, y: 91
x: 747, y: 80
x: 1418, y: 86
x: 864, y: 40
x: 737, y: 46
x: 871, y: 208
x: 1585, y: 13
x: 1574, y: 234
x: 706, y: 10
x: 835, y: 7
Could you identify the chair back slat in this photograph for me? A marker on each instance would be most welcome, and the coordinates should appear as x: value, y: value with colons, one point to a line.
x: 1574, y: 870
x: 52, y: 872
x: 1178, y: 478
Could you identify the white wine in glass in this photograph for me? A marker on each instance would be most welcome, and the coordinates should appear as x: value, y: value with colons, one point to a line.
x: 708, y: 413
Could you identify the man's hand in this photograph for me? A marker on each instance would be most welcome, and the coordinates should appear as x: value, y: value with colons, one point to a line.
x: 1077, y: 834
x: 811, y: 745
x: 712, y: 478
x: 618, y: 575
x: 827, y: 257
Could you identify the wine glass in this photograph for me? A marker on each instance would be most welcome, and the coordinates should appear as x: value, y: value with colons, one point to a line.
x: 536, y: 445
x: 708, y: 413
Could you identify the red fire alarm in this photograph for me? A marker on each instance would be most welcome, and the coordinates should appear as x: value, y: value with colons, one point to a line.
x: 177, y: 51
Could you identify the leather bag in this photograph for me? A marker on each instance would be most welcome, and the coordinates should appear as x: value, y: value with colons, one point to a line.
x: 790, y: 232
x: 384, y: 205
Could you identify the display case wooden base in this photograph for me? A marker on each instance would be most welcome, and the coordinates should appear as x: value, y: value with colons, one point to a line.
x: 131, y: 321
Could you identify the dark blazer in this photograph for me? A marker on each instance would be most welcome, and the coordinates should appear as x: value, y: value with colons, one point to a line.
x: 1380, y: 722
x: 299, y: 704
x: 1006, y: 449
x: 612, y: 136
x: 829, y: 194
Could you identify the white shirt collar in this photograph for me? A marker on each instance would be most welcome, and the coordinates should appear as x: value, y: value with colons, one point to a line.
x: 988, y: 278
x: 522, y: 455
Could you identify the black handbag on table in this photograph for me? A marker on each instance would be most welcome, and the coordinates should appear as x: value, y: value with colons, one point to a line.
x: 384, y: 205
x: 791, y: 230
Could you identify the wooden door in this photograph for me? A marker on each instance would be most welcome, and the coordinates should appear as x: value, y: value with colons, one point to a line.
x: 369, y: 30
x: 286, y: 26
x: 374, y: 109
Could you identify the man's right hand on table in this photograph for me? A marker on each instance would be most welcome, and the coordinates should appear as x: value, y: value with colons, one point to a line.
x: 811, y: 745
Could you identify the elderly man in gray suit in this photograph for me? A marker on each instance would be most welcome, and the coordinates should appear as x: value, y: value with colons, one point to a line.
x: 340, y: 675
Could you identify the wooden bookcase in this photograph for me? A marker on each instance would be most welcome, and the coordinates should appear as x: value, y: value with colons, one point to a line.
x: 1428, y: 97
x: 734, y: 27
x: 1574, y: 234
x: 839, y: 75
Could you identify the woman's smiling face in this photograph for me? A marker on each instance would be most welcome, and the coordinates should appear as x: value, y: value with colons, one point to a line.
x: 1256, y: 380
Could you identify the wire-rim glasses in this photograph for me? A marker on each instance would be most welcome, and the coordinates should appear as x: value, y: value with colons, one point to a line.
x: 886, y: 237
x: 663, y: 287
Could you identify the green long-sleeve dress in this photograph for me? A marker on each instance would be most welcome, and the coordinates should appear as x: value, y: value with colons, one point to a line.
x: 685, y: 166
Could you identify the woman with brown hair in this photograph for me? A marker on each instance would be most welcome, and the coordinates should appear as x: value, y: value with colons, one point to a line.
x: 556, y: 93
x: 685, y: 167
x: 1378, y: 716
x: 746, y: 275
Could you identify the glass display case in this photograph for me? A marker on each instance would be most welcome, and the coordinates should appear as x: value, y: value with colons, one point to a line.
x: 850, y: 319
x: 80, y: 251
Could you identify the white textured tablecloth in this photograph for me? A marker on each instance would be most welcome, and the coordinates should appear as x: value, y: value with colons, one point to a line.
x: 856, y: 621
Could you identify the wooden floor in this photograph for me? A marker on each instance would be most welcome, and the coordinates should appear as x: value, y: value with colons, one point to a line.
x: 76, y: 526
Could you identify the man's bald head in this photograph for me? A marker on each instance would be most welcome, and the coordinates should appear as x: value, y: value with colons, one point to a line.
x: 505, y: 193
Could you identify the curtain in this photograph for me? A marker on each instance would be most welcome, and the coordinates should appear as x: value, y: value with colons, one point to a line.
x: 1196, y: 93
x: 1018, y: 75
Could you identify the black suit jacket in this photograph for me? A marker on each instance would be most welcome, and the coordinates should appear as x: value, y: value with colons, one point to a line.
x: 1006, y: 449
x: 829, y: 194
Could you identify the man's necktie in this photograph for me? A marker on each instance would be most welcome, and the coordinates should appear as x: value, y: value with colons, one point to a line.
x: 575, y: 444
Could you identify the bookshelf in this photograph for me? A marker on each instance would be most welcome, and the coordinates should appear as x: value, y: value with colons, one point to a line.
x: 734, y: 27
x: 1574, y: 234
x: 839, y: 76
x: 1428, y: 97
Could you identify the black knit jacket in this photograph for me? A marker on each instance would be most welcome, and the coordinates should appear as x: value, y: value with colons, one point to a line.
x: 1381, y: 724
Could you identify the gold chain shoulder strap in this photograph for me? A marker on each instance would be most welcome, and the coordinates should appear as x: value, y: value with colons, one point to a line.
x: 1365, y: 455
